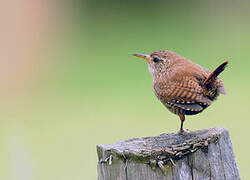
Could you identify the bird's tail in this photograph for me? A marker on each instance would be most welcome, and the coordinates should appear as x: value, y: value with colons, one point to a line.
x: 211, y: 82
x: 215, y: 73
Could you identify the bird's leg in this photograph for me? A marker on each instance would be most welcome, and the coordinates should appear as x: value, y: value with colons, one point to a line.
x: 182, y: 118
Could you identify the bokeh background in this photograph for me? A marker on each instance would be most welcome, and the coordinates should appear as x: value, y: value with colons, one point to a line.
x: 68, y: 80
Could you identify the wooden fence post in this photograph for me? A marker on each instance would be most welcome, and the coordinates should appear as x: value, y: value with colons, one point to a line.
x: 200, y: 155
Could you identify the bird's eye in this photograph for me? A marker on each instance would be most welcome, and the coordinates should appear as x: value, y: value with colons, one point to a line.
x: 156, y: 59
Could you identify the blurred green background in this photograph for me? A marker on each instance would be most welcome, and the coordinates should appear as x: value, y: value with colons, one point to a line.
x: 69, y: 82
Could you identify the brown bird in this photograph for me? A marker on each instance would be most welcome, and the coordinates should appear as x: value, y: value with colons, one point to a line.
x: 184, y: 87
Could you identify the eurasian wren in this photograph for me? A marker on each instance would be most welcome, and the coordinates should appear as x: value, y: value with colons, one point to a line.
x: 184, y: 87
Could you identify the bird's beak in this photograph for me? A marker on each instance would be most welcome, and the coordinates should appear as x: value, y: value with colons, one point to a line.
x: 143, y: 56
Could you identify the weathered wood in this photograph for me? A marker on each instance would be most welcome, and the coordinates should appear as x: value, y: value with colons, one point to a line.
x: 201, y: 155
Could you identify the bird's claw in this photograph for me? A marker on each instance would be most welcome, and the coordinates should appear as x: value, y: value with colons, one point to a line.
x: 182, y: 132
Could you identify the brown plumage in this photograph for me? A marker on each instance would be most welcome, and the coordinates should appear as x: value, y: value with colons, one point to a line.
x: 184, y: 87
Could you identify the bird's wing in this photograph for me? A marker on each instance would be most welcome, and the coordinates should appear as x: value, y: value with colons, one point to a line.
x: 189, y: 90
x: 184, y: 88
x: 187, y: 95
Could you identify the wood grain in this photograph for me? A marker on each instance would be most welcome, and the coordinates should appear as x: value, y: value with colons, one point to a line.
x: 204, y: 154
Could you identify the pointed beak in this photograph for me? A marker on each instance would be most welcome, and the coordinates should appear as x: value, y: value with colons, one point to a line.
x: 143, y: 56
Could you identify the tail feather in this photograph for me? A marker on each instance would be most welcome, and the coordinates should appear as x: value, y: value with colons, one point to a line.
x: 215, y: 73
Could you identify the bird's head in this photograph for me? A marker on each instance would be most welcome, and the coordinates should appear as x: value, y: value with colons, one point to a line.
x: 158, y: 61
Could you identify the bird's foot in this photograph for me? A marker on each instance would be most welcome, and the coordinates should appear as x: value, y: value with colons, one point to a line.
x: 182, y: 132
